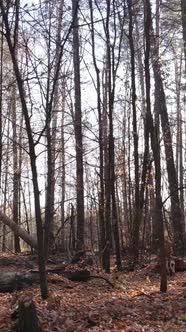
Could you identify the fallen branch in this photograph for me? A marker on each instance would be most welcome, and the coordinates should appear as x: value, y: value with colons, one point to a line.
x: 11, y: 281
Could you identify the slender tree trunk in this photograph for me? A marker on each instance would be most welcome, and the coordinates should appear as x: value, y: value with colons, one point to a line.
x: 1, y: 94
x: 72, y: 228
x: 63, y: 170
x: 78, y: 130
x: 107, y: 211
x: 101, y: 160
x: 5, y: 182
x: 49, y: 208
x: 179, y: 141
x: 183, y: 10
x: 16, y: 175
x: 51, y: 131
x: 136, y: 223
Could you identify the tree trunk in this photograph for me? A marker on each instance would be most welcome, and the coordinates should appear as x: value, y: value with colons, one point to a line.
x: 16, y: 175
x: 5, y: 180
x: 101, y: 156
x: 136, y: 223
x: 27, y: 316
x: 20, y: 232
x: 176, y: 213
x: 78, y: 130
x: 183, y: 10
x: 153, y: 130
x: 63, y: 169
x: 1, y: 95
x: 107, y: 209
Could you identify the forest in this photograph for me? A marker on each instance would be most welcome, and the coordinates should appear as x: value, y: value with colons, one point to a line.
x: 92, y: 165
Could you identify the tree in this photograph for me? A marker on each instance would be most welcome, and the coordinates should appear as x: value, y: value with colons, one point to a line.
x: 161, y: 108
x: 78, y: 129
x: 136, y: 222
x: 183, y: 10
x: 101, y: 193
x: 32, y: 153
x: 153, y: 131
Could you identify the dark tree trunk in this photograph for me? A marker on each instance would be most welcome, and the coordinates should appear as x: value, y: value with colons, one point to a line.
x: 72, y: 241
x: 78, y: 130
x: 63, y: 170
x: 49, y: 208
x: 176, y: 213
x: 136, y: 223
x: 111, y: 151
x: 16, y: 175
x: 5, y: 182
x: 101, y: 156
x: 183, y: 10
x: 51, y: 113
x: 153, y: 130
x: 1, y: 94
x: 107, y: 210
x: 27, y: 316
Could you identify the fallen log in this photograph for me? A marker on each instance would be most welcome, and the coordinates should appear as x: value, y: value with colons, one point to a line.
x: 19, y: 260
x: 12, y: 281
x: 18, y: 230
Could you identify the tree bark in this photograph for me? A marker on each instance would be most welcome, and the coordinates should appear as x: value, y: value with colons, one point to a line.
x: 16, y: 175
x: 153, y: 130
x: 183, y: 10
x: 1, y: 95
x: 78, y: 130
x: 27, y: 316
x: 101, y: 156
x: 176, y: 213
x: 136, y: 223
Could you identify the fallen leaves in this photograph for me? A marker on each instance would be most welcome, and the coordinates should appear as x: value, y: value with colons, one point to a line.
x: 134, y: 305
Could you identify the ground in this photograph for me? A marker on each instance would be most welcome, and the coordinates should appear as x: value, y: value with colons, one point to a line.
x: 134, y: 304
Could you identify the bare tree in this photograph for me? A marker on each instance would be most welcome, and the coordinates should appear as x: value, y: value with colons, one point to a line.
x: 153, y: 131
x: 78, y: 129
x: 135, y: 134
x: 32, y: 153
x: 183, y: 10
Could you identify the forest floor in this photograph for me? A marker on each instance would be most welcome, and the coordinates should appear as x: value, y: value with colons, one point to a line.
x: 134, y: 304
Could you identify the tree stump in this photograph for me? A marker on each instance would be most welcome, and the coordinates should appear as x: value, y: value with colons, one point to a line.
x: 27, y: 316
